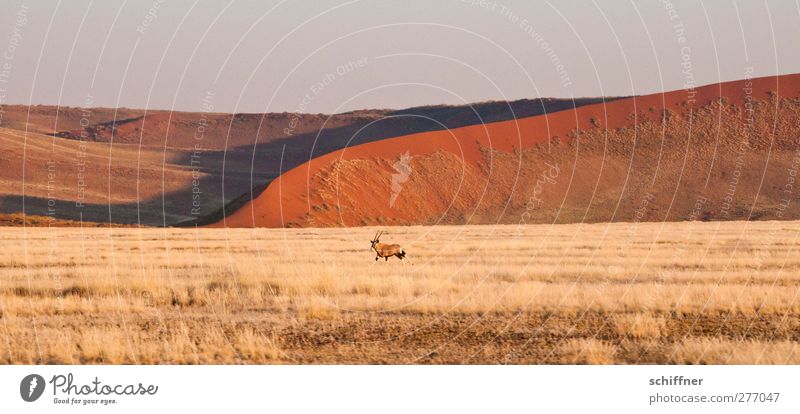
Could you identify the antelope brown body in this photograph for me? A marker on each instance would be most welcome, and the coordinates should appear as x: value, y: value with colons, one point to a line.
x: 384, y: 250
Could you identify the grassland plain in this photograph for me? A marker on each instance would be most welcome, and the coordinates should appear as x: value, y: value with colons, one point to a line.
x: 684, y: 293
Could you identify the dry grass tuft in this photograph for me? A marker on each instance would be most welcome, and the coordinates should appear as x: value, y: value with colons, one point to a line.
x: 587, y: 351
x: 639, y: 325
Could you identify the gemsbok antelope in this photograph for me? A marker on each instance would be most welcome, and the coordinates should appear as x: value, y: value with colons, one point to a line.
x: 388, y: 250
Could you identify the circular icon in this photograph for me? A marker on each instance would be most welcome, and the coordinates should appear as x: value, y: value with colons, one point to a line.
x: 31, y: 387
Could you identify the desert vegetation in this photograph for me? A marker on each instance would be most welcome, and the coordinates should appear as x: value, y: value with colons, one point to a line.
x: 683, y: 293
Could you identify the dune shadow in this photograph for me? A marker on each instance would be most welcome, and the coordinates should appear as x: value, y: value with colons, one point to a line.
x: 276, y: 156
x: 227, y: 180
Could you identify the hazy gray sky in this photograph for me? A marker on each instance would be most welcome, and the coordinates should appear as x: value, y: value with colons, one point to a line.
x: 326, y: 56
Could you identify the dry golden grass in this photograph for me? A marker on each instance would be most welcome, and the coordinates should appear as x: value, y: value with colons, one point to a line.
x: 724, y: 351
x: 587, y: 351
x: 475, y: 294
x: 640, y: 325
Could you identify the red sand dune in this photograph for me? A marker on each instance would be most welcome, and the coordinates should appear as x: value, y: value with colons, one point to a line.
x: 181, y: 168
x: 723, y: 151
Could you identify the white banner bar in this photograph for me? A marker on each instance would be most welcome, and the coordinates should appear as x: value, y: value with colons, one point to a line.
x: 399, y: 389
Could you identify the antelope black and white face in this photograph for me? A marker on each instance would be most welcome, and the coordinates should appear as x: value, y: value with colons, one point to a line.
x: 375, y: 240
